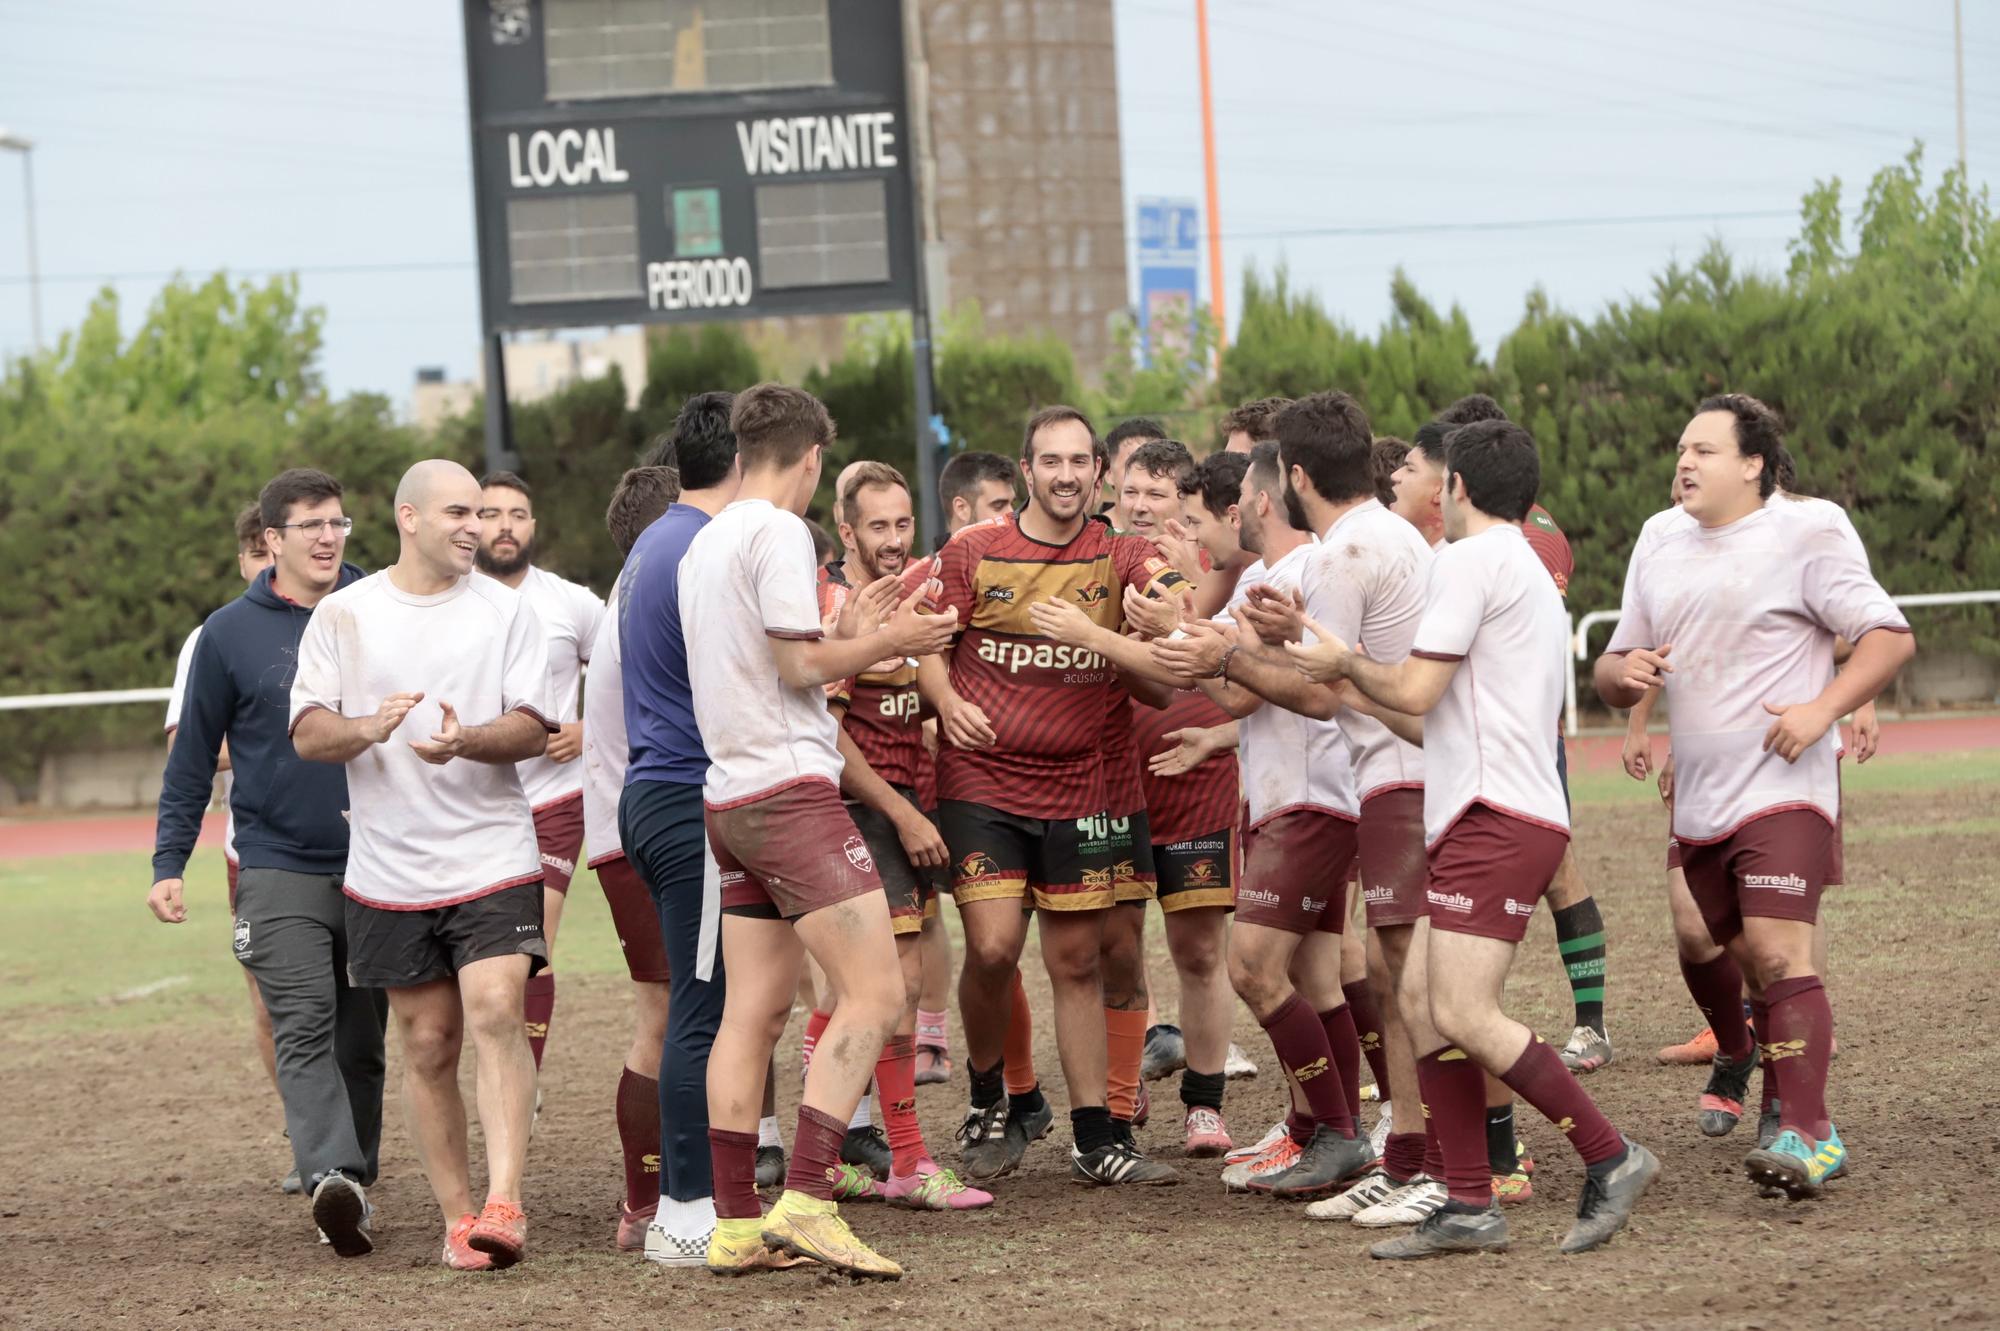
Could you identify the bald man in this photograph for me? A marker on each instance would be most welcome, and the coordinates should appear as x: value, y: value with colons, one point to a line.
x: 429, y: 684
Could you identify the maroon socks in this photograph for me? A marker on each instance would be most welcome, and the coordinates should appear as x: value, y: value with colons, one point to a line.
x: 1717, y: 989
x: 538, y: 1005
x: 733, y: 1158
x: 639, y: 1138
x: 1454, y: 1090
x: 1300, y: 1041
x: 815, y: 1155
x: 1368, y: 1026
x: 1797, y: 1047
x: 1539, y: 1077
x: 1345, y: 1045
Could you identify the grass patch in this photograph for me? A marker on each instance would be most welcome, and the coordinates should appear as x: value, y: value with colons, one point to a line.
x: 1890, y: 774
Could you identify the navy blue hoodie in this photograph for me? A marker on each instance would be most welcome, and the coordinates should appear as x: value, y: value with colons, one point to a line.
x: 290, y: 814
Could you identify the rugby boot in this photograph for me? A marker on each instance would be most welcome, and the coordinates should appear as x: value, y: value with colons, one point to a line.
x: 1450, y: 1229
x: 1327, y: 1162
x: 1721, y: 1104
x: 1796, y: 1167
x: 1609, y: 1199
x: 869, y: 1149
x: 807, y: 1227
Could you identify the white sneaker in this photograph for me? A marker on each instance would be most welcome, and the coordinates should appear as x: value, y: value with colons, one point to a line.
x: 1281, y: 1156
x: 669, y: 1250
x: 342, y: 1215
x: 1378, y: 1137
x: 1238, y: 1065
x: 1412, y: 1204
x: 1258, y: 1147
x: 1374, y: 1188
x: 1586, y: 1051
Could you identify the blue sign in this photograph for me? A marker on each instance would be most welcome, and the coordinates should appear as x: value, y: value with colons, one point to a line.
x: 1169, y: 272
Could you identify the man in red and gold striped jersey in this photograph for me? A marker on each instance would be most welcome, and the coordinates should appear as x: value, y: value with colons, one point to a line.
x: 1022, y: 799
x: 881, y: 741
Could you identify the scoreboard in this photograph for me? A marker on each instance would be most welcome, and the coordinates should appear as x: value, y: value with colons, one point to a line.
x: 659, y: 161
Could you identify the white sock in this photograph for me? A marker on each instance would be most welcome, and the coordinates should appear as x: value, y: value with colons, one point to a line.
x: 767, y: 1132
x: 686, y: 1220
x: 861, y: 1117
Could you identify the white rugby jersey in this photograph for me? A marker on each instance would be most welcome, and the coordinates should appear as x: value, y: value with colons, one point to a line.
x: 570, y: 614
x: 1492, y: 607
x: 747, y: 577
x: 181, y: 667
x: 423, y: 835
x: 605, y: 751
x: 1750, y: 611
x: 1289, y: 761
x: 1365, y: 582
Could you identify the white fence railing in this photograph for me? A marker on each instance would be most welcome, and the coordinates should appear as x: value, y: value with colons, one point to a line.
x: 33, y: 702
x: 1580, y: 636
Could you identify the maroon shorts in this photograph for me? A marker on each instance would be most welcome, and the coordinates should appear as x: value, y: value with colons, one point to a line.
x: 634, y: 918
x: 232, y: 867
x: 1836, y: 855
x: 1674, y: 854
x: 1391, y: 857
x: 1774, y: 867
x: 559, y: 836
x: 1489, y: 870
x: 789, y: 853
x: 1295, y: 868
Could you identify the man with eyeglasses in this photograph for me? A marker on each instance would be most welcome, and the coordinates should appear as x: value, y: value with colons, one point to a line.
x: 290, y: 929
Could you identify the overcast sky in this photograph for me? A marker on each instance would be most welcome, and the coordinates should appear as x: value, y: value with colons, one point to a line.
x: 333, y: 140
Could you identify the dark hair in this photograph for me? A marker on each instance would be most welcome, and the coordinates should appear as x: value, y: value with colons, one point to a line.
x: 643, y: 494
x: 701, y: 445
x: 1759, y: 434
x: 1326, y: 435
x: 1788, y: 472
x: 1502, y: 471
x: 1471, y: 408
x: 1056, y: 415
x: 1135, y: 427
x: 776, y: 425
x: 250, y: 528
x: 1162, y: 457
x: 506, y: 480
x: 299, y: 485
x: 1218, y: 479
x: 1388, y: 456
x: 1264, y: 458
x: 1429, y: 440
x: 1254, y: 418
x: 822, y: 543
x: 865, y: 474
x: 966, y: 472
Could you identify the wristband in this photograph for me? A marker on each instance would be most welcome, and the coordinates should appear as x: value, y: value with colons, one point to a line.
x: 1222, y: 666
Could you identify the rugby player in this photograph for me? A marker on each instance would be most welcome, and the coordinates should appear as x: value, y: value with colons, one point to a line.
x: 570, y: 614
x: 1485, y: 675
x: 290, y: 925
x: 972, y: 487
x: 1250, y: 423
x: 1756, y: 800
x: 1023, y: 803
x: 444, y: 882
x: 1191, y: 843
x: 660, y: 817
x: 643, y: 494
x: 881, y: 741
x: 253, y: 556
x: 1120, y: 442
x: 796, y: 877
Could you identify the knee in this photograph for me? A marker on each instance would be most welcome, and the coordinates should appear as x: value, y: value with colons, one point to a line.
x: 988, y: 960
x: 1768, y: 965
x: 1073, y: 966
x: 430, y: 1048
x: 1198, y: 959
x: 1261, y: 991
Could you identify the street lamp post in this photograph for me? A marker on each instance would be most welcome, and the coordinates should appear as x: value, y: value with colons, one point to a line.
x: 26, y: 148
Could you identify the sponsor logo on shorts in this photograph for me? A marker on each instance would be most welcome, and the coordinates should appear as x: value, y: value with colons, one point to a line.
x: 1381, y: 892
x: 1789, y: 884
x: 1453, y: 901
x: 1093, y: 593
x: 528, y: 929
x: 1000, y: 594
x: 1257, y: 896
x: 731, y: 877
x: 857, y: 854
x: 1097, y: 878
x: 1124, y: 872
x: 1202, y: 873
x: 1520, y: 907
x: 976, y: 865
x: 1312, y: 907
x: 242, y: 936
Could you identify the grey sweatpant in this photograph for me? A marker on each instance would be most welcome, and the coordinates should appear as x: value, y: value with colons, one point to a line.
x: 291, y: 934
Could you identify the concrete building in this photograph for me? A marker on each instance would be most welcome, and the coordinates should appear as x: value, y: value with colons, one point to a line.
x: 537, y: 366
x: 1027, y: 193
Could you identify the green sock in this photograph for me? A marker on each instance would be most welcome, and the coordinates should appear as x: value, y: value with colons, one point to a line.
x: 1580, y: 939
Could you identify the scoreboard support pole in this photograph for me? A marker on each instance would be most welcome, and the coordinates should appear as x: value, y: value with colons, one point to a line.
x: 500, y: 455
x: 916, y: 67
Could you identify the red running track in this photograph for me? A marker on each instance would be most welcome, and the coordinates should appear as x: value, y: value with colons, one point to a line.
x: 36, y: 838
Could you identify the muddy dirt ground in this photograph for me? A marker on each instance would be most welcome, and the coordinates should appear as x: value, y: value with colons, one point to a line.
x: 137, y: 1169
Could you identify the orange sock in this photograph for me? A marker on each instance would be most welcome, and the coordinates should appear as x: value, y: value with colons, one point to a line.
x: 1019, y: 1051
x: 1125, y: 1037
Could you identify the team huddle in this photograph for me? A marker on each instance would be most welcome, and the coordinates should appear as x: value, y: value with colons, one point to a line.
x: 1304, y: 693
